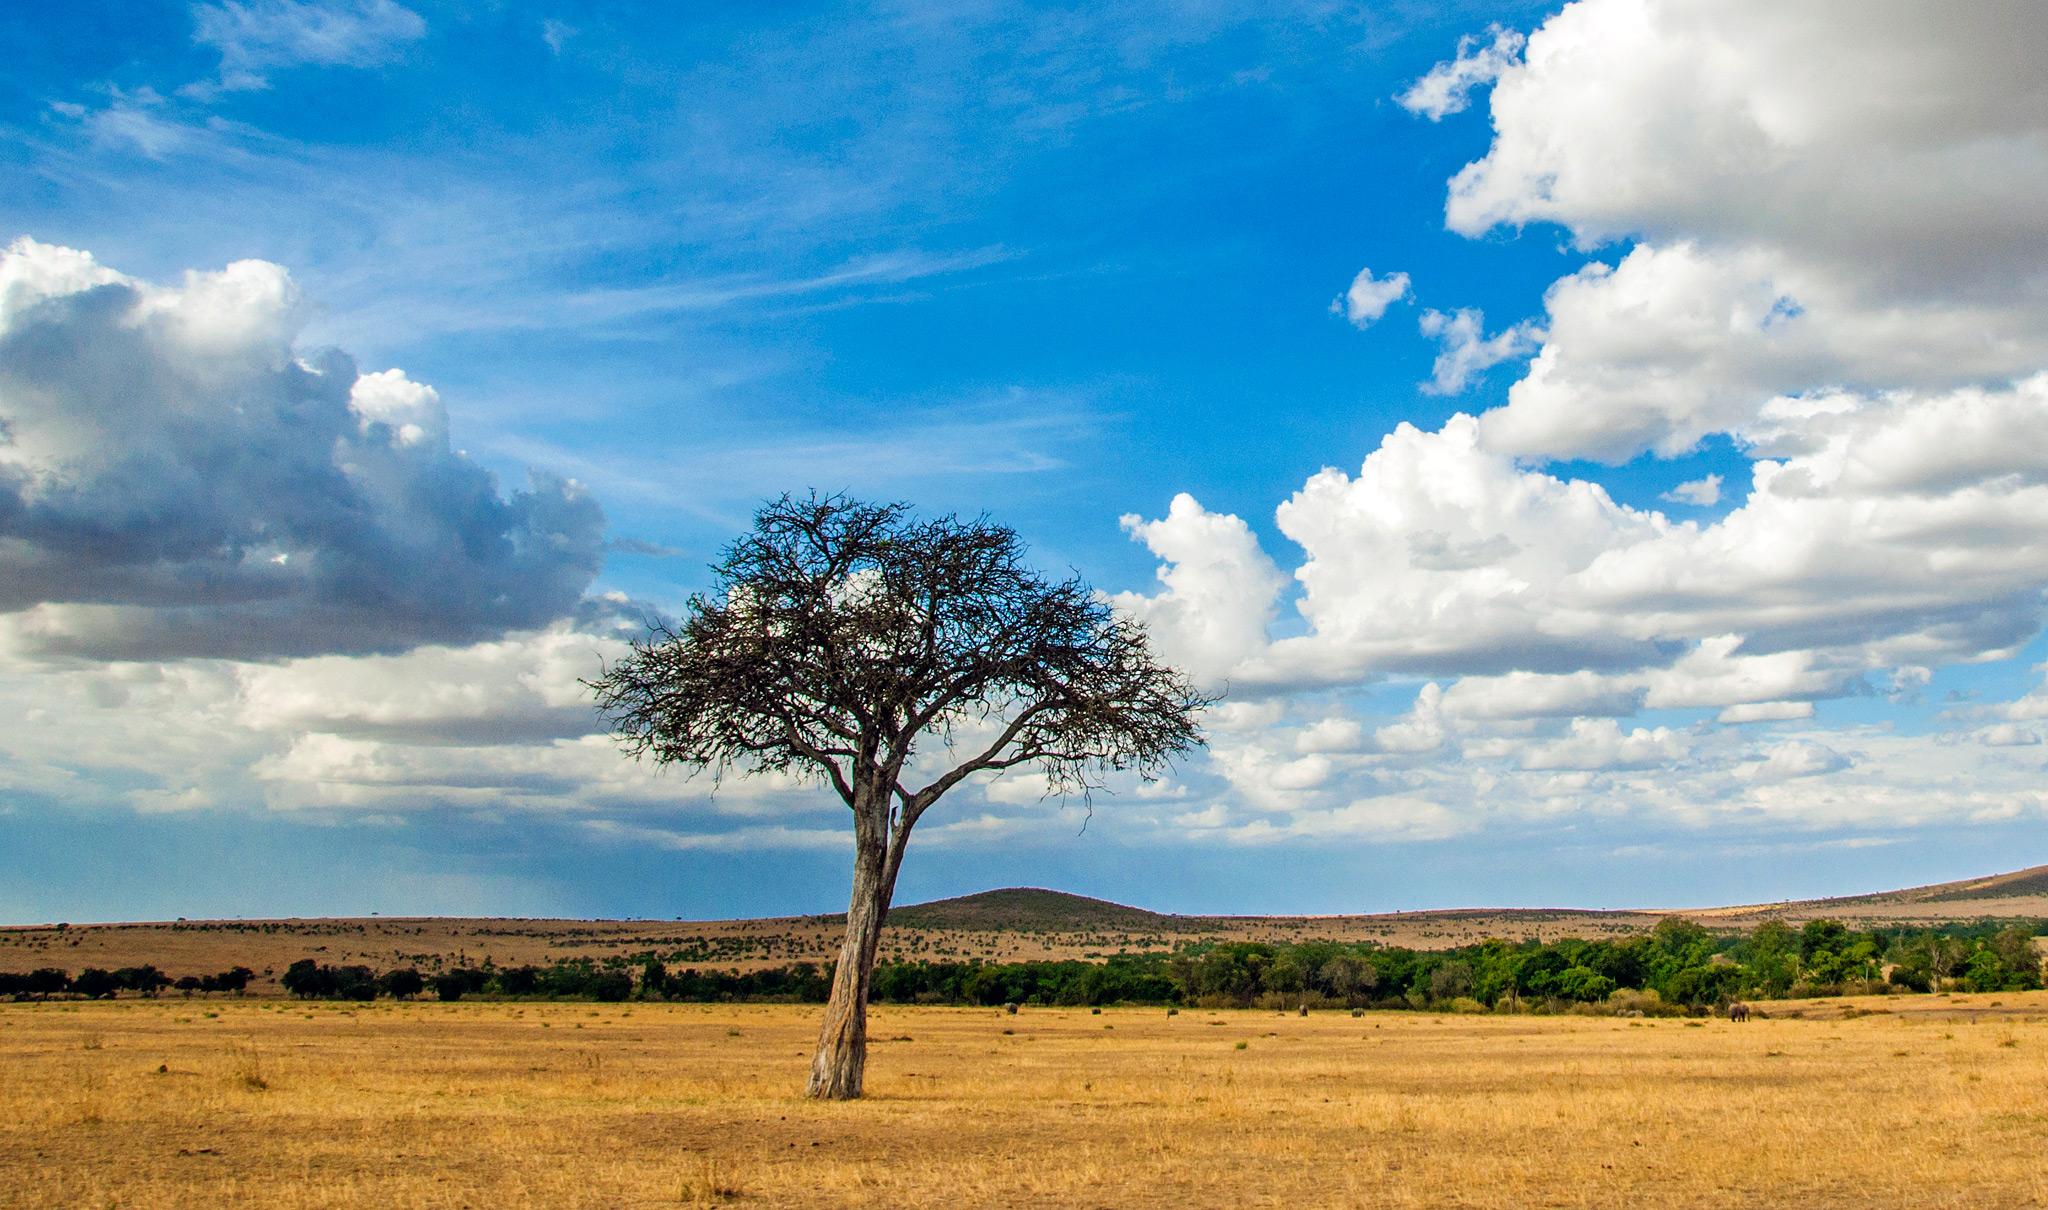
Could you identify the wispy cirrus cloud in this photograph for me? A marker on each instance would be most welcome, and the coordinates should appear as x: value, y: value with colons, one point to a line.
x: 258, y: 36
x: 1002, y: 433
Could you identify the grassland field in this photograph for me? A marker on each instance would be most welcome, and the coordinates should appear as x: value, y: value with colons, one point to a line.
x: 1925, y: 1101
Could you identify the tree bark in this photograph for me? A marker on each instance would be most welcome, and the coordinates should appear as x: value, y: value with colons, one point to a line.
x: 842, y: 1056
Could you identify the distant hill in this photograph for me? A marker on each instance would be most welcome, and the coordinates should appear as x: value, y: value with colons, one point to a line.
x: 2019, y: 893
x: 1999, y: 886
x: 2032, y: 881
x: 1027, y: 910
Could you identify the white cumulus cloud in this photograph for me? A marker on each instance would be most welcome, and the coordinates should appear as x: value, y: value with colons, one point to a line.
x: 1834, y: 194
x: 1796, y: 758
x: 178, y: 478
x: 1220, y: 589
x: 1700, y: 493
x: 1368, y: 297
x: 1765, y: 712
x: 1465, y: 351
x: 2008, y: 735
x: 1447, y: 88
x: 1600, y: 743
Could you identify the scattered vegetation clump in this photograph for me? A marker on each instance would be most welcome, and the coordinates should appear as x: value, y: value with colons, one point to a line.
x: 310, y: 980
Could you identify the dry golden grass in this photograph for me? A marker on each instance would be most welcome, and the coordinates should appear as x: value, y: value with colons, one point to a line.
x: 1926, y: 1102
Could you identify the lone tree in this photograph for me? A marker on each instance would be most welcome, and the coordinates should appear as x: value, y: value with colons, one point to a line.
x: 893, y: 659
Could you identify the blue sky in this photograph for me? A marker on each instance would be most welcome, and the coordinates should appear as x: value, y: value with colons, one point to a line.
x: 368, y: 367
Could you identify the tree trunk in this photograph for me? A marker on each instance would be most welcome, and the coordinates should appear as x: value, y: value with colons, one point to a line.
x: 843, y: 1040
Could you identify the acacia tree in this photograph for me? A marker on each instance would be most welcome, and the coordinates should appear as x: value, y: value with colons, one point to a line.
x: 892, y: 659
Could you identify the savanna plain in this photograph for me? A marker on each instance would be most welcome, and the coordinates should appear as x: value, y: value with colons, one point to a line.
x: 1887, y: 1101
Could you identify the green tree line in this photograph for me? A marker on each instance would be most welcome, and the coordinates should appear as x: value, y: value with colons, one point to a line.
x: 94, y: 983
x: 1684, y: 964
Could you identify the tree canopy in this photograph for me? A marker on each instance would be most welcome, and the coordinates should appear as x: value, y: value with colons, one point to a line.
x: 846, y: 633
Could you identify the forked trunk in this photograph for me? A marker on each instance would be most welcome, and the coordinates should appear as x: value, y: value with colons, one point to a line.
x: 843, y: 1040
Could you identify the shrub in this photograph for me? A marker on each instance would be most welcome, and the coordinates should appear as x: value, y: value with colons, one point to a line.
x: 144, y: 980
x: 307, y: 979
x: 95, y: 984
x: 1582, y: 983
x: 1451, y: 981
x: 1648, y: 1003
x: 234, y: 979
x: 518, y: 981
x: 356, y: 983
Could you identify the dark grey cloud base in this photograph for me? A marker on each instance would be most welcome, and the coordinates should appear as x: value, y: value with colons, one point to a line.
x: 176, y: 484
